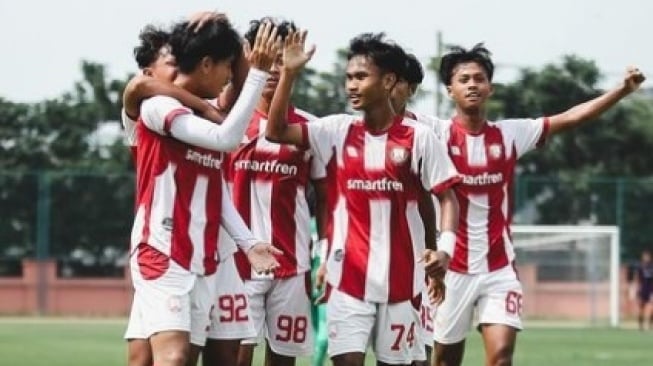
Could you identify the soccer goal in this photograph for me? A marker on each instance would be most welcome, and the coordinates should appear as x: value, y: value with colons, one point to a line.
x: 569, y: 273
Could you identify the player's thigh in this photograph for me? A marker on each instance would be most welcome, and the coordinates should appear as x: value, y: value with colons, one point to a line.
x: 257, y: 292
x: 349, y: 324
x: 500, y: 301
x: 397, y: 332
x: 453, y: 317
x: 289, y: 325
x: 230, y: 314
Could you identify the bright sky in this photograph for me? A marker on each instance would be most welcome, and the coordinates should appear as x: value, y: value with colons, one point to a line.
x: 43, y: 41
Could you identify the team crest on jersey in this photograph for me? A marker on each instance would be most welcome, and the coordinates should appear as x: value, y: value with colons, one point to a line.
x: 337, y: 255
x: 167, y: 223
x: 455, y: 150
x: 398, y: 155
x: 495, y: 151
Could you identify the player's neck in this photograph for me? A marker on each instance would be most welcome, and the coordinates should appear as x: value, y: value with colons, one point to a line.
x: 263, y: 106
x: 473, y: 121
x: 379, y: 119
x: 186, y: 82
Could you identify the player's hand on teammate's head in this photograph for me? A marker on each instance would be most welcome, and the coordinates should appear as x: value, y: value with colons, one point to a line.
x: 266, y: 45
x: 436, y: 262
x: 436, y: 290
x: 633, y: 79
x: 295, y: 54
x: 197, y: 20
x: 262, y: 257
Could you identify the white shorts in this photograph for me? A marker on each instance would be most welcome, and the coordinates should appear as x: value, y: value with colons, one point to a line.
x: 281, y: 311
x: 426, y: 315
x: 393, y: 330
x: 230, y: 317
x: 176, y: 299
x: 498, y: 296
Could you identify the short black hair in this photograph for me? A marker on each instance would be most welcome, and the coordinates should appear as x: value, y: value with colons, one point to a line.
x: 216, y: 39
x: 414, y: 73
x: 284, y: 27
x: 387, y: 56
x: 458, y: 55
x: 152, y: 39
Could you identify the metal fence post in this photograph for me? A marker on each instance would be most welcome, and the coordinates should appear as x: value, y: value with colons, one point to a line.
x: 43, y: 239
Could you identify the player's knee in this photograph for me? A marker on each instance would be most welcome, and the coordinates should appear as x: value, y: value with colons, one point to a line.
x: 139, y: 359
x: 502, y: 356
x: 173, y: 357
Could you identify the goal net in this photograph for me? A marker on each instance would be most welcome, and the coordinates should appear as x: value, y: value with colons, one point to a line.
x: 569, y: 273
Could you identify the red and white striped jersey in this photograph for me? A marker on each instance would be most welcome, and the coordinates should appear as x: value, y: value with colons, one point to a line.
x: 486, y: 160
x: 178, y: 190
x: 378, y: 234
x: 267, y: 182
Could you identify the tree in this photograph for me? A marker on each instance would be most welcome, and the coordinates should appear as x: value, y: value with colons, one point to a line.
x: 323, y: 93
x: 54, y: 136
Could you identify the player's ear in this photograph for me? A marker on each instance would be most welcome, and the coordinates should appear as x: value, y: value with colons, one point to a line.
x: 491, y: 91
x: 147, y: 71
x: 449, y: 91
x: 413, y: 89
x: 206, y: 63
x: 389, y: 81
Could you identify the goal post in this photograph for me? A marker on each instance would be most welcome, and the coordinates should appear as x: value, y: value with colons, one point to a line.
x: 568, y: 270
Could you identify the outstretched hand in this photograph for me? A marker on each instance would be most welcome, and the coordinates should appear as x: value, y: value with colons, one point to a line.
x: 266, y: 45
x: 262, y: 257
x: 295, y: 54
x: 633, y: 79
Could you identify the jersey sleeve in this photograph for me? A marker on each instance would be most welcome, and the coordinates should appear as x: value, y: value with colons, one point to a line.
x: 526, y: 134
x: 130, y: 128
x: 435, y: 168
x: 157, y: 113
x: 320, y: 136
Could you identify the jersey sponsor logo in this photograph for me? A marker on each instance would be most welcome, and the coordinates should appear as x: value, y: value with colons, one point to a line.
x: 483, y: 179
x: 398, y: 155
x: 206, y: 160
x: 270, y: 166
x: 455, y: 150
x: 495, y: 151
x: 379, y: 185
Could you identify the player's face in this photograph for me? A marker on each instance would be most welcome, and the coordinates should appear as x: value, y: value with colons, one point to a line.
x: 401, y: 93
x: 646, y: 257
x: 216, y: 74
x: 273, y: 80
x: 470, y: 86
x: 164, y: 67
x: 366, y: 85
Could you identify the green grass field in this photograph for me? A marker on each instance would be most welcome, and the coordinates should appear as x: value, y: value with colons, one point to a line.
x: 93, y: 342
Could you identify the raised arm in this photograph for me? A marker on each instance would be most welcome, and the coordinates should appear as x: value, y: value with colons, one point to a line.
x: 141, y: 87
x: 597, y: 106
x: 294, y: 59
x: 231, y: 92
